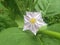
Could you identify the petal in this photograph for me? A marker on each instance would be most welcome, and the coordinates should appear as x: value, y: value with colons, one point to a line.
x: 40, y: 20
x: 37, y: 15
x: 26, y: 18
x: 30, y: 14
x: 36, y: 26
x: 26, y: 26
x: 34, y: 14
x: 40, y: 24
x: 33, y: 29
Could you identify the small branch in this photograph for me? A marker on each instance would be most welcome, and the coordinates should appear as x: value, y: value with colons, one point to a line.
x: 50, y: 33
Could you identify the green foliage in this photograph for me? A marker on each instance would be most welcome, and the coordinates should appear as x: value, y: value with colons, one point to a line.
x: 52, y: 19
x: 5, y: 20
x: 15, y: 36
x: 11, y: 15
x: 55, y: 27
x: 50, y: 10
x: 18, y: 8
x: 50, y: 40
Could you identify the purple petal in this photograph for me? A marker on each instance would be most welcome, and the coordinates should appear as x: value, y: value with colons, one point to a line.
x: 26, y: 26
x: 26, y: 18
x: 33, y: 29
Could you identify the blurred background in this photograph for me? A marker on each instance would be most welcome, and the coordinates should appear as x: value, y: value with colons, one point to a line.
x: 12, y: 11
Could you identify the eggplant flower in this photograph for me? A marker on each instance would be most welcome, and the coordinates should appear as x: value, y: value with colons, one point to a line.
x: 33, y: 21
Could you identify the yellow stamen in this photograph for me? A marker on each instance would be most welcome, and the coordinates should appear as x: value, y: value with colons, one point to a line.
x: 32, y: 20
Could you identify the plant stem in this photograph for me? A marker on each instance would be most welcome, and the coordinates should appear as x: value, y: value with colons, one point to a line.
x: 50, y: 33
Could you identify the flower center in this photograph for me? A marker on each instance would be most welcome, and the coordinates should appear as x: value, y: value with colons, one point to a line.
x: 32, y: 20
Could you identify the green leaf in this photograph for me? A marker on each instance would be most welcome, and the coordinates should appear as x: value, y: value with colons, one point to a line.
x: 48, y: 7
x: 49, y: 39
x: 55, y: 27
x: 15, y: 36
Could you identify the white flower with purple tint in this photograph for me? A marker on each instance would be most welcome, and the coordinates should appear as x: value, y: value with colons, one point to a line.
x: 33, y: 21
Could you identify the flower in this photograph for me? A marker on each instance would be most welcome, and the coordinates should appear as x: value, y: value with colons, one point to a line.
x: 33, y: 21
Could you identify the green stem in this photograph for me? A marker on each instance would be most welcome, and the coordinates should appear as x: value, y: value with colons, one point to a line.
x: 50, y: 33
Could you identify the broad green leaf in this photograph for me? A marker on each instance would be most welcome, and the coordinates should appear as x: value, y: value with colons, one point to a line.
x: 48, y: 40
x: 48, y: 7
x: 15, y: 36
